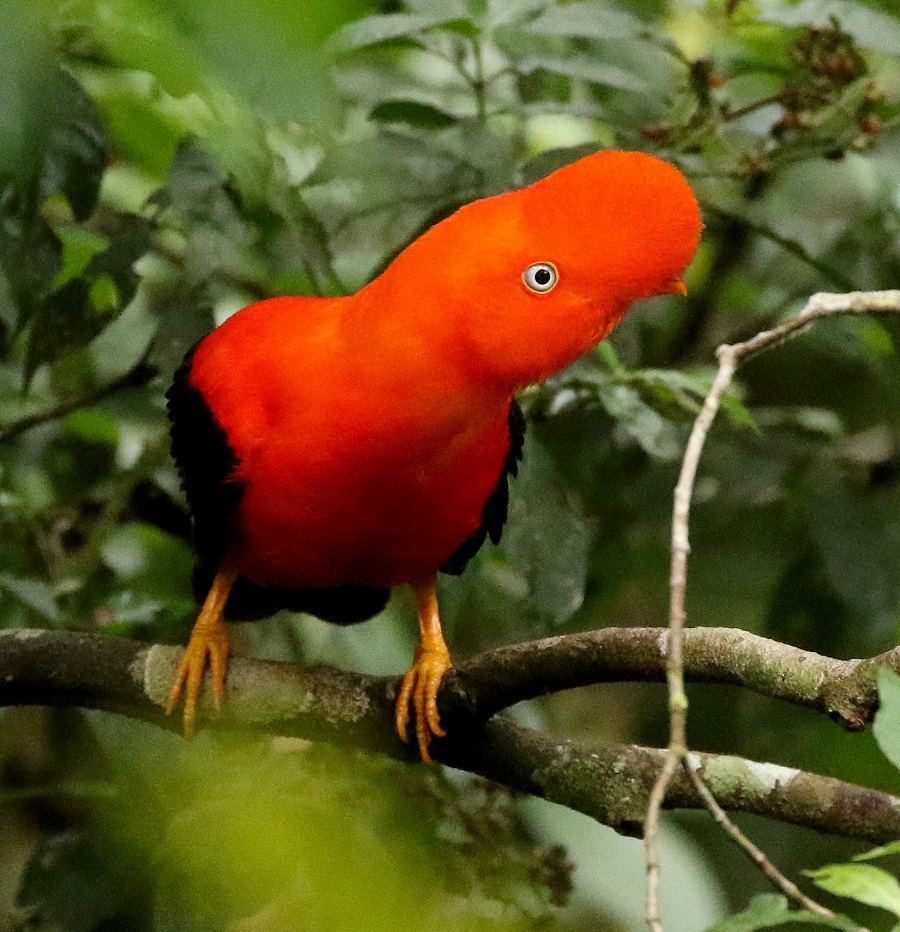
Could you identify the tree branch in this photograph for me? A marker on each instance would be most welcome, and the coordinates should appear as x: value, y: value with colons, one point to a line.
x: 139, y: 374
x: 730, y: 358
x: 611, y: 783
x: 846, y: 690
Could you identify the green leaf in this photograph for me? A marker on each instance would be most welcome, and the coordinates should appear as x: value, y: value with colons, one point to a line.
x: 30, y: 254
x: 76, y: 881
x: 387, y: 27
x: 129, y: 240
x: 93, y: 426
x: 586, y: 20
x: 34, y: 593
x: 659, y: 437
x: 585, y: 68
x: 413, y: 113
x: 79, y: 246
x: 887, y: 718
x: 76, y: 148
x: 67, y: 321
x: 549, y: 161
x: 768, y: 910
x: 822, y: 421
x: 864, y: 883
x: 546, y: 540
x: 882, y: 851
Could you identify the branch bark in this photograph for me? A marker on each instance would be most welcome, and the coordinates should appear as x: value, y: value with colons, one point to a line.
x: 611, y: 783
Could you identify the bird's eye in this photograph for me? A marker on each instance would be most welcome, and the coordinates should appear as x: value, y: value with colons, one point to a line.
x: 540, y: 277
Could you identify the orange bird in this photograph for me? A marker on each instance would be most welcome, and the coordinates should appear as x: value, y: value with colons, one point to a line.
x: 333, y: 448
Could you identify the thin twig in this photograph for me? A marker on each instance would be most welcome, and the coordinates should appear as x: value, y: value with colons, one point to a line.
x: 790, y: 246
x: 756, y: 854
x: 139, y: 374
x: 737, y: 113
x: 675, y: 659
x: 730, y: 357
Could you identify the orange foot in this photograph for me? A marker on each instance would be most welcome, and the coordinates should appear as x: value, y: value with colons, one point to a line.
x: 422, y: 681
x: 208, y: 646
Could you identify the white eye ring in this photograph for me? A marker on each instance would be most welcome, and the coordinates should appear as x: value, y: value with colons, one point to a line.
x: 541, y: 277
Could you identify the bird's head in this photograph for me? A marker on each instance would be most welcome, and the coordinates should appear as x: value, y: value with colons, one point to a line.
x: 527, y: 281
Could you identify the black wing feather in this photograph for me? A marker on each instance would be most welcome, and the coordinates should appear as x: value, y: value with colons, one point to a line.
x: 496, y: 508
x: 206, y: 464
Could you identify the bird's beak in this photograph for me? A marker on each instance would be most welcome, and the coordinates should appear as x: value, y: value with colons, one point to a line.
x: 678, y: 287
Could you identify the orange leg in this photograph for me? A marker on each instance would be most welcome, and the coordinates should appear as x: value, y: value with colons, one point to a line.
x: 422, y: 681
x: 208, y: 644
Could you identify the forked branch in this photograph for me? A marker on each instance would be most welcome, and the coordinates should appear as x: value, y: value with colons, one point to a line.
x: 730, y: 358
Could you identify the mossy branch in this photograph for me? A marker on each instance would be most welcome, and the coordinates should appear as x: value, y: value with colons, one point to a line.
x: 611, y: 783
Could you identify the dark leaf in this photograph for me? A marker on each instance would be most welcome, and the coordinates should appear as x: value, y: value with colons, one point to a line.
x: 549, y: 161
x: 852, y: 539
x: 31, y: 255
x: 412, y: 113
x: 71, y: 884
x: 64, y: 322
x: 546, y: 540
x: 127, y: 243
x: 76, y: 153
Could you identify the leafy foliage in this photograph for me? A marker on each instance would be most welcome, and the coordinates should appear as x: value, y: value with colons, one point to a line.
x: 163, y: 164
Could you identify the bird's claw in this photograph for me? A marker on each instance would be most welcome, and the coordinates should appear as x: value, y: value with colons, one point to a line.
x: 419, y: 690
x: 208, y: 646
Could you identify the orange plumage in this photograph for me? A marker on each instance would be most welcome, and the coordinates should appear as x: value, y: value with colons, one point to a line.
x: 365, y: 434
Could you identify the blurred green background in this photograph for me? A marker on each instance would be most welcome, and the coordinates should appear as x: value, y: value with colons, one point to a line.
x: 164, y: 163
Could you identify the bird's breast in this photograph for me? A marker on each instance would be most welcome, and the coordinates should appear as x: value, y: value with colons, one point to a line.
x: 362, y: 455
x: 372, y: 490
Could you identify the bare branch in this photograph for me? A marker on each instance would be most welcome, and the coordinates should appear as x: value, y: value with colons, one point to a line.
x: 754, y: 852
x: 730, y: 357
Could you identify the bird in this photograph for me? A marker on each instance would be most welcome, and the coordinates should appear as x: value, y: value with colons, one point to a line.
x: 334, y: 448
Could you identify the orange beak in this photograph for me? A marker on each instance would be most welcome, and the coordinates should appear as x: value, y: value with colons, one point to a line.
x: 678, y: 287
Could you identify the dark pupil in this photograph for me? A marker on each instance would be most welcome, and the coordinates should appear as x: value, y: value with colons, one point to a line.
x: 542, y: 276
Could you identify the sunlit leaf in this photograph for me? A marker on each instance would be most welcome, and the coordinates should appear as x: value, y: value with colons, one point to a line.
x: 887, y: 718
x: 864, y: 883
x: 79, y: 246
x: 892, y: 848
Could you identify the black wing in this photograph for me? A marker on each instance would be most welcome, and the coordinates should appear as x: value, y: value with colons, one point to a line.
x: 493, y: 515
x: 206, y: 464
